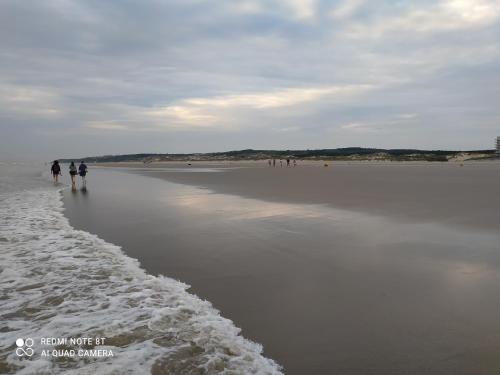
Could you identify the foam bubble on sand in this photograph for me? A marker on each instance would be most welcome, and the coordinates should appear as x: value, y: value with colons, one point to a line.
x: 56, y: 281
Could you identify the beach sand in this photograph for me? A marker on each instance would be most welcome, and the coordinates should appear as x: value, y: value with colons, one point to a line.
x: 443, y: 192
x: 380, y: 268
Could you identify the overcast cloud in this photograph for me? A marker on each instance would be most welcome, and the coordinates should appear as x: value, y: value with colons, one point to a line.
x: 95, y: 77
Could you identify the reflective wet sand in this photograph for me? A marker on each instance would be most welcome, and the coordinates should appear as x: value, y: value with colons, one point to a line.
x: 325, y: 290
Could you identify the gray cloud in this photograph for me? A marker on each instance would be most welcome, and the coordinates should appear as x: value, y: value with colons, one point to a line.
x: 99, y: 77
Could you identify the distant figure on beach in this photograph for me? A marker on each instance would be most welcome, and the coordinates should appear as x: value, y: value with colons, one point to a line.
x: 269, y: 161
x: 281, y: 163
x: 274, y: 162
x: 288, y: 162
x: 56, y: 171
x: 83, y: 172
x: 72, y: 173
x: 294, y: 162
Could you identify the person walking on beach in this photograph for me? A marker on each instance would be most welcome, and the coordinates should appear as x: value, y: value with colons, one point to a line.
x: 83, y: 172
x: 269, y: 161
x: 274, y: 163
x: 294, y: 162
x: 56, y: 171
x: 72, y: 173
x: 281, y: 163
x: 288, y: 162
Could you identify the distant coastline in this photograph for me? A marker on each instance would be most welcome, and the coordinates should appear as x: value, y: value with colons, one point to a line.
x: 346, y: 154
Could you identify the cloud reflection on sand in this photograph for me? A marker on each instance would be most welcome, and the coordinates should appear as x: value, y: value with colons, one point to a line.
x: 234, y: 208
x: 459, y: 255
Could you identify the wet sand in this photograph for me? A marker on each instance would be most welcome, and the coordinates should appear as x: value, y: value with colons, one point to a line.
x: 443, y: 192
x: 364, y: 269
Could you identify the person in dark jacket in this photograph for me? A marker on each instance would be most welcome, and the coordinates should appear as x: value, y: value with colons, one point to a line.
x: 82, y: 169
x: 56, y: 171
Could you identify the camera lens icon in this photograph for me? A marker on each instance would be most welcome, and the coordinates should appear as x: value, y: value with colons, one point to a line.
x: 24, y: 347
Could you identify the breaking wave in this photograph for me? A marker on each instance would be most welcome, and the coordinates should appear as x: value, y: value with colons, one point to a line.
x: 56, y: 281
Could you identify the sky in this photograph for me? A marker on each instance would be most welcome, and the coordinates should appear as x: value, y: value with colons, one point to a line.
x: 97, y: 77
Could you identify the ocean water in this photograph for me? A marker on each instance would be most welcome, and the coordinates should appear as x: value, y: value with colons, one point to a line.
x: 59, y: 282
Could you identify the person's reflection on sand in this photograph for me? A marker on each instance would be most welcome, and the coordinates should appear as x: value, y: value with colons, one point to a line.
x: 84, y: 191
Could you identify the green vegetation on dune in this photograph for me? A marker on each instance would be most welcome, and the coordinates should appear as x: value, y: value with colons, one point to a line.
x: 350, y: 153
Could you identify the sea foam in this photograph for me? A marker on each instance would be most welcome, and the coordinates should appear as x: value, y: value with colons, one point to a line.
x: 56, y: 281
